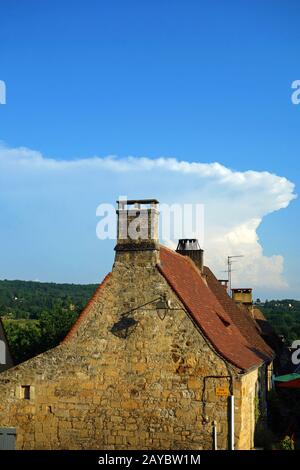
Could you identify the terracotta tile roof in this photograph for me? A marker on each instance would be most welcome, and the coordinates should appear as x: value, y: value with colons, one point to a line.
x: 86, y: 310
x: 207, y: 312
x: 240, y: 316
x: 258, y: 315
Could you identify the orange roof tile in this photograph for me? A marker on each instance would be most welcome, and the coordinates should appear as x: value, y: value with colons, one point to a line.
x: 240, y: 315
x: 207, y: 312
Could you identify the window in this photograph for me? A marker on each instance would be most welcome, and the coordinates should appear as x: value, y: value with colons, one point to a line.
x: 25, y: 392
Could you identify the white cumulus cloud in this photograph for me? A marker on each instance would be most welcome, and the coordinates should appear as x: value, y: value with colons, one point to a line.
x: 49, y: 205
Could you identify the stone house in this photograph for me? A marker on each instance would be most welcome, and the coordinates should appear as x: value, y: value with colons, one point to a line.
x: 160, y: 358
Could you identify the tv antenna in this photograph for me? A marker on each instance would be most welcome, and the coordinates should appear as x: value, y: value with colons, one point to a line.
x: 230, y: 260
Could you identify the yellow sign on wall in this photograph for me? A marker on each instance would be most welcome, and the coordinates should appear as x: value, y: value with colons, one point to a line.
x: 222, y: 392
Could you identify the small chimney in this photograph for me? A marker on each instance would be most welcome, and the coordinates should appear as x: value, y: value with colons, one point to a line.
x: 137, y: 227
x: 242, y: 296
x: 190, y: 247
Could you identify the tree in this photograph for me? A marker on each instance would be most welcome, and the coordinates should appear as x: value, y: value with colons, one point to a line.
x: 56, y: 324
x: 24, y: 338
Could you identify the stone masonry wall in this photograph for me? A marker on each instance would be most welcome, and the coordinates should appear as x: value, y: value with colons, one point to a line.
x: 245, y: 394
x: 145, y: 391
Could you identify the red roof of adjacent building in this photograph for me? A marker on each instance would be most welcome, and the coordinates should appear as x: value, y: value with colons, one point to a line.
x: 240, y: 315
x: 288, y: 381
x: 208, y: 312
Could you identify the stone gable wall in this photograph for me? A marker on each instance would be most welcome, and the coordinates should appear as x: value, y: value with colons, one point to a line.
x: 145, y: 391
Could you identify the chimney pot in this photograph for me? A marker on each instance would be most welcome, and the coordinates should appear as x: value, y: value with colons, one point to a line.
x: 190, y: 247
x: 242, y: 296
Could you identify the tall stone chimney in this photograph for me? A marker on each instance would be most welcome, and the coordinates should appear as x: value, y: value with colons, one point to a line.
x: 137, y: 231
x: 190, y: 247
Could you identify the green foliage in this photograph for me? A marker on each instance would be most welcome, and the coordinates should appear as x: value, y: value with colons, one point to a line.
x: 55, y: 325
x: 284, y: 316
x: 24, y: 338
x: 28, y: 299
x: 37, y: 316
x: 287, y: 443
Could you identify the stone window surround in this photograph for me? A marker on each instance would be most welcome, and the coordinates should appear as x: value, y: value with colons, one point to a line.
x: 25, y: 392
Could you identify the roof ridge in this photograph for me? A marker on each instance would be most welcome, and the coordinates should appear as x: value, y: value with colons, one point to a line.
x: 221, y: 314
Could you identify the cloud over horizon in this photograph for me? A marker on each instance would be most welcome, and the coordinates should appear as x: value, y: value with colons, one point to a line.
x: 49, y: 206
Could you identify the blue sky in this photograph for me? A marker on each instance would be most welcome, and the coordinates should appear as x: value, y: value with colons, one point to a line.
x: 197, y: 81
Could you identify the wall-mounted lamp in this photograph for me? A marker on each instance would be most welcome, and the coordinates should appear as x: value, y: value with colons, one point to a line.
x: 162, y: 306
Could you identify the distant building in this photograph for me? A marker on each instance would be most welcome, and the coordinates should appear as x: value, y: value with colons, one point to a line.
x: 243, y: 298
x: 160, y: 358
